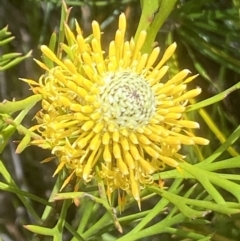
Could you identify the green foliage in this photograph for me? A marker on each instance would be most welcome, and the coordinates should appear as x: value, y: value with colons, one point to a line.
x: 8, y: 60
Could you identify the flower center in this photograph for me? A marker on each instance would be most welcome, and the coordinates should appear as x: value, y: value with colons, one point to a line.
x: 127, y: 99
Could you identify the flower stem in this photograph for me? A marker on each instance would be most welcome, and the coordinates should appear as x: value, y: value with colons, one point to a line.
x: 154, y: 14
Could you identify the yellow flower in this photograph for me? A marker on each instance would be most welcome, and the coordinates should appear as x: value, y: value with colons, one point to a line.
x: 113, y: 117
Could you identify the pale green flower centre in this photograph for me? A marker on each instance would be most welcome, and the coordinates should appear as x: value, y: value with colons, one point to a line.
x: 127, y: 99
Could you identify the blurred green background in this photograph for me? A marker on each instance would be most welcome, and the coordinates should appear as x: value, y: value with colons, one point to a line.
x: 207, y: 33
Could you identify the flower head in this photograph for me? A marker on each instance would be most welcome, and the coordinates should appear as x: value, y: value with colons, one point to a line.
x: 113, y: 117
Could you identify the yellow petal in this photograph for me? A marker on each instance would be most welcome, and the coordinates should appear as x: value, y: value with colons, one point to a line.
x: 151, y: 151
x: 168, y: 53
x: 146, y: 166
x: 116, y: 136
x: 122, y: 23
x: 116, y: 150
x: 87, y: 125
x: 188, y: 95
x: 95, y: 143
x: 152, y: 57
x: 133, y: 138
x: 48, y: 52
x: 107, y: 157
x: 169, y: 161
x: 134, y: 152
x: 129, y: 159
x: 135, y: 189
x: 142, y: 138
x: 105, y: 138
x: 122, y: 167
x: 96, y: 30
x: 139, y: 43
x: 200, y: 140
x: 124, y: 143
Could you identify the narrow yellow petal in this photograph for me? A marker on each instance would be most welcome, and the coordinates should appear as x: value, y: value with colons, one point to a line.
x: 178, y: 77
x: 126, y: 59
x: 59, y: 168
x: 141, y: 63
x: 146, y: 166
x: 134, y: 152
x: 153, y: 153
x: 88, y: 125
x: 96, y: 47
x: 163, y: 89
x: 90, y: 98
x: 200, y: 140
x: 122, y: 167
x: 67, y: 180
x: 111, y: 50
x: 124, y: 132
x: 126, y: 47
x: 146, y: 130
x: 87, y: 59
x: 151, y: 77
x: 132, y: 45
x: 116, y: 150
x: 86, y: 171
x: 152, y: 57
x: 116, y: 136
x: 172, y: 140
x: 124, y: 143
x: 78, y: 29
x: 88, y: 71
x: 81, y: 43
x: 112, y: 65
x: 105, y: 138
x: 178, y: 90
x: 168, y: 53
x: 75, y: 107
x: 107, y: 156
x: 84, y: 141
x: 142, y: 138
x: 162, y: 72
x: 96, y: 30
x: 177, y: 109
x: 95, y: 115
x: 186, y: 140
x: 99, y: 126
x: 122, y: 23
x: 188, y: 95
x: 173, y: 116
x: 135, y: 189
x: 189, y: 79
x: 69, y: 35
x: 133, y: 138
x: 42, y: 65
x: 169, y: 161
x: 87, y: 109
x: 52, y: 56
x: 128, y: 159
x: 95, y: 143
x: 101, y: 69
x: 154, y: 137
x: 188, y: 124
x: 111, y: 127
x: 119, y: 39
x: 139, y: 43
